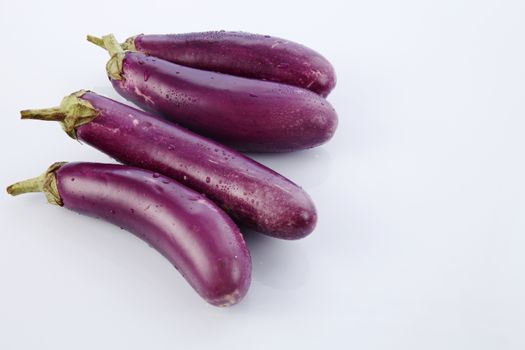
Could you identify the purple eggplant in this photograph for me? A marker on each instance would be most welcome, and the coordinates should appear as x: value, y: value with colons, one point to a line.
x: 250, y: 193
x: 197, y: 237
x: 243, y: 54
x: 247, y: 114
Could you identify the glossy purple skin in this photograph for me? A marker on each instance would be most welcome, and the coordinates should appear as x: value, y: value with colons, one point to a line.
x: 247, y: 114
x: 197, y: 237
x: 246, y: 55
x: 252, y: 194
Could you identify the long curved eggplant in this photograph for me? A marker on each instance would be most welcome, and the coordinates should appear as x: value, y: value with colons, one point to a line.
x: 239, y: 53
x: 252, y: 194
x: 198, y: 238
x: 247, y: 114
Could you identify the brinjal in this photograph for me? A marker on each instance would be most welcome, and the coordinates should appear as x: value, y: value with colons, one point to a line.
x: 243, y: 54
x: 247, y: 114
x: 196, y: 236
x: 252, y: 194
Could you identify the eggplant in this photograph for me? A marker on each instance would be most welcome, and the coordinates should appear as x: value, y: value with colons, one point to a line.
x: 247, y: 114
x: 196, y: 236
x: 243, y: 54
x: 252, y: 194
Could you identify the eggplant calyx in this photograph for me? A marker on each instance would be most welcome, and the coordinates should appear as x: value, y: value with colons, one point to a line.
x: 127, y: 45
x: 46, y: 183
x: 114, y: 65
x: 72, y: 113
x: 110, y: 43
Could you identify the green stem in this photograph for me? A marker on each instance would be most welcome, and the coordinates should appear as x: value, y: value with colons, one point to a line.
x: 72, y: 113
x: 107, y: 42
x: 111, y: 44
x: 46, y: 183
x: 53, y: 114
x: 96, y: 40
x: 34, y: 184
x: 127, y: 45
x: 114, y: 65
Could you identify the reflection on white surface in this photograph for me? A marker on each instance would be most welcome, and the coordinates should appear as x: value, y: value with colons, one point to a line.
x: 276, y: 263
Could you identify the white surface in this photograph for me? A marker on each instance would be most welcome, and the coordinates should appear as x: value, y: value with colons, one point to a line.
x: 421, y: 194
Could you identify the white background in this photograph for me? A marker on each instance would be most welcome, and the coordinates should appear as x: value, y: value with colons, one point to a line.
x: 421, y: 194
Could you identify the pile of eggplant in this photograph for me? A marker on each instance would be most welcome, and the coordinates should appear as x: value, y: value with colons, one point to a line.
x: 184, y: 187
